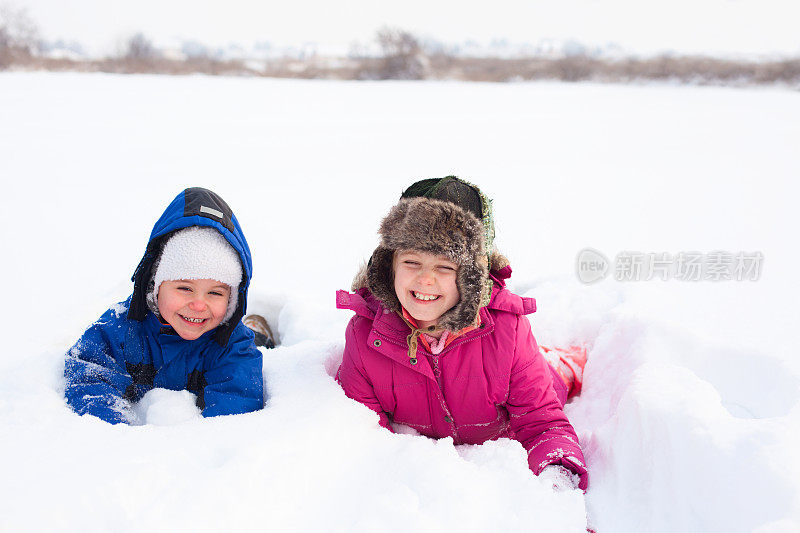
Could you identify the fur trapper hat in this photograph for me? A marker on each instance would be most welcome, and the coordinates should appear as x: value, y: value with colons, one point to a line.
x: 197, y: 253
x: 441, y: 228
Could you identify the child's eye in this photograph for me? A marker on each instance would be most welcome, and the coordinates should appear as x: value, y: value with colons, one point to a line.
x: 184, y: 288
x: 216, y: 293
x: 410, y: 263
x: 447, y: 268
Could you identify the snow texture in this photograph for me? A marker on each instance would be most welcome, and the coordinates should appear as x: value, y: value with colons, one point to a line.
x: 690, y: 411
x: 164, y: 407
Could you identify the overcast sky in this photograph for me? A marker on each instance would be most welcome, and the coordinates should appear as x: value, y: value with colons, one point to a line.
x: 707, y: 26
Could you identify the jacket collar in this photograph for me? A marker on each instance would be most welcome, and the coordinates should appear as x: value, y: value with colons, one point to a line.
x: 358, y: 302
x: 505, y: 300
x: 363, y: 303
x: 389, y: 334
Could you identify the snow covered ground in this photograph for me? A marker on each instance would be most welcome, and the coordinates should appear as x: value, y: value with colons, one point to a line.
x: 690, y: 415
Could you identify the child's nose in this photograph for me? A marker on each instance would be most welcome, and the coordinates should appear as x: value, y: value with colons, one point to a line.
x: 427, y: 277
x: 197, y: 304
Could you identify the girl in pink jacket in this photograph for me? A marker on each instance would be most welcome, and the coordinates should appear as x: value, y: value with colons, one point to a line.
x: 440, y: 345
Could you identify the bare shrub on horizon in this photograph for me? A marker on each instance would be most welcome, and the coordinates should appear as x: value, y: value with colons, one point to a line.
x: 139, y: 48
x: 402, y: 56
x: 19, y: 36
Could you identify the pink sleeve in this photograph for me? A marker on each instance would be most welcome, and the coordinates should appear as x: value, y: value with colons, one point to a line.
x: 537, y: 419
x: 353, y: 378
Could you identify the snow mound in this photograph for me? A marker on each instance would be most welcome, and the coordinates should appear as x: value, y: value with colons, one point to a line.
x: 680, y: 433
x: 164, y: 407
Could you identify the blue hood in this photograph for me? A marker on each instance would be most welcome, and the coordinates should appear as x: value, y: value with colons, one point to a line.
x: 193, y: 207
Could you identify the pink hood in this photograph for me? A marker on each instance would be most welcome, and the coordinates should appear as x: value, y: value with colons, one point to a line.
x: 491, y: 382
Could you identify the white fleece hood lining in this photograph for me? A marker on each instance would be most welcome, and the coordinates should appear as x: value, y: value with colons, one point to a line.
x: 198, y: 253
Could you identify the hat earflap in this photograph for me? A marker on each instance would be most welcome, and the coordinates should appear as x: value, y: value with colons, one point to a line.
x: 380, y: 277
x: 471, y: 276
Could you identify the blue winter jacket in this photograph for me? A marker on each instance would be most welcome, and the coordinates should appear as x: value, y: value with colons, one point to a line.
x: 128, y: 351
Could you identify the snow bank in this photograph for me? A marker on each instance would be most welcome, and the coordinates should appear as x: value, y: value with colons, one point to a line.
x: 680, y: 434
x: 312, y: 460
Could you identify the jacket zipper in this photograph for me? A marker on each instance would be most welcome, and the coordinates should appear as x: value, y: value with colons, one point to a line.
x: 438, y: 375
x: 447, y: 416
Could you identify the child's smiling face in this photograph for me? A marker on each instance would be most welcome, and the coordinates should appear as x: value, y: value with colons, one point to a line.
x: 425, y: 284
x: 193, y: 306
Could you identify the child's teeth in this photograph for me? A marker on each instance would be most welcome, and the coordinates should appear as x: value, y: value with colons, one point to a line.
x: 193, y: 319
x: 426, y: 297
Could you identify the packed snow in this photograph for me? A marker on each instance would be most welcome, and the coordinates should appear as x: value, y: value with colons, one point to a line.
x: 690, y: 412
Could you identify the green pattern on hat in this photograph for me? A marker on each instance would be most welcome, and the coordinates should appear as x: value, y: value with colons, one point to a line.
x: 487, y: 218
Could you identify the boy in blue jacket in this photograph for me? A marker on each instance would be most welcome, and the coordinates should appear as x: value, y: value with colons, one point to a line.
x: 181, y: 329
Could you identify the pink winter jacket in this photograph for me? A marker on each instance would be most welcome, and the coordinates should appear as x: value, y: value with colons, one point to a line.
x: 489, y: 383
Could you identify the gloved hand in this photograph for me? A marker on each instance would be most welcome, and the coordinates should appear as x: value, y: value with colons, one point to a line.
x: 562, y: 478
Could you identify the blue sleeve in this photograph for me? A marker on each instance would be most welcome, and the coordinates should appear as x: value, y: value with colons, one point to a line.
x: 96, y: 378
x: 235, y: 382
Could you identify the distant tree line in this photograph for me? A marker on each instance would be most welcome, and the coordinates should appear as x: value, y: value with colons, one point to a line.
x: 400, y: 56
